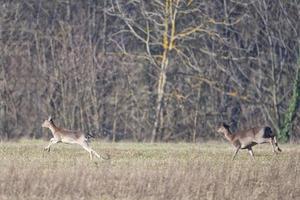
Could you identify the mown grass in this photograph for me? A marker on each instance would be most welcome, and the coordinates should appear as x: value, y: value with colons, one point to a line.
x: 147, y: 171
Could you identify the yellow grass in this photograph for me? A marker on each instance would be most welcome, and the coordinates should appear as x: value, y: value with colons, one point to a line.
x: 147, y: 171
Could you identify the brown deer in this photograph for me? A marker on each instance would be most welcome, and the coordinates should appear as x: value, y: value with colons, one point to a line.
x: 67, y: 136
x: 248, y: 138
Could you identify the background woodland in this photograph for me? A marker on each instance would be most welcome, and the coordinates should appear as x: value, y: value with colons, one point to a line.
x: 159, y: 70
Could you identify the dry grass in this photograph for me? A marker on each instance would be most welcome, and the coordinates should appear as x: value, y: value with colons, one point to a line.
x: 147, y: 171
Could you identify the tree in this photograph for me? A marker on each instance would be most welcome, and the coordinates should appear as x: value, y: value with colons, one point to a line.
x: 290, y: 113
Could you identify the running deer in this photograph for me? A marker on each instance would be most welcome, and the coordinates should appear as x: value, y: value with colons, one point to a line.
x: 67, y: 136
x: 248, y: 138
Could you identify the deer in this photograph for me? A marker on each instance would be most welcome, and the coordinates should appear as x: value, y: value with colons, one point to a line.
x: 246, y: 139
x: 68, y: 136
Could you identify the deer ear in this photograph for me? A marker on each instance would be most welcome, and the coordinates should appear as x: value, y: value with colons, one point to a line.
x: 50, y: 118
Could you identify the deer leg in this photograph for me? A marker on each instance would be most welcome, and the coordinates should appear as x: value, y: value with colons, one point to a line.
x: 93, y: 152
x: 273, y: 146
x: 251, y: 152
x: 275, y: 141
x: 96, y: 154
x: 236, y: 151
x: 52, y: 141
x: 90, y: 150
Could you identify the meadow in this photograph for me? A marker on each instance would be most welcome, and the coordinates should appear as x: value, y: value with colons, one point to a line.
x: 147, y: 171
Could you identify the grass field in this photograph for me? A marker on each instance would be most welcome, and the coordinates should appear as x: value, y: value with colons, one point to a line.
x: 147, y: 171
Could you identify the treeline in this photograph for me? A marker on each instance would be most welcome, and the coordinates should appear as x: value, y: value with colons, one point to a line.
x: 159, y: 70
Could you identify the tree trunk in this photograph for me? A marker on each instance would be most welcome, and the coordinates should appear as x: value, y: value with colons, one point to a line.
x: 168, y: 40
x: 160, y: 99
x: 115, y: 117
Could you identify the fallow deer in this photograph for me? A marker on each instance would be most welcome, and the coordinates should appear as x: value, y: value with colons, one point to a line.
x: 248, y: 138
x: 67, y: 136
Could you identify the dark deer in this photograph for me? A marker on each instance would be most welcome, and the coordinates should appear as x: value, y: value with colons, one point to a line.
x: 248, y: 138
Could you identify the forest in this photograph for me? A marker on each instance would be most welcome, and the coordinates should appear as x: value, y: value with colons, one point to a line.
x: 149, y: 71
